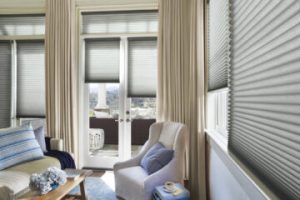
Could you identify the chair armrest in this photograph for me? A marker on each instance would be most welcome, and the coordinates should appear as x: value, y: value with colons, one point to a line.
x: 56, y: 144
x: 167, y: 173
x: 135, y: 161
x: 128, y: 163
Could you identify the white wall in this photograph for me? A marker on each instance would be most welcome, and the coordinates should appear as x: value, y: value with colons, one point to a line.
x: 229, y: 180
x: 222, y: 184
x: 21, y: 3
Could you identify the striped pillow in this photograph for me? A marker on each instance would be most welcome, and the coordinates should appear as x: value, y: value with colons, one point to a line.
x: 18, y: 145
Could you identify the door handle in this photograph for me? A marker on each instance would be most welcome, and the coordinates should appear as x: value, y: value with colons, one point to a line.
x: 128, y: 120
x: 119, y: 120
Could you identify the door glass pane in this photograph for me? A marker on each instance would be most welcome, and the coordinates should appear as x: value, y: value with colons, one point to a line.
x: 103, y: 118
x: 143, y: 112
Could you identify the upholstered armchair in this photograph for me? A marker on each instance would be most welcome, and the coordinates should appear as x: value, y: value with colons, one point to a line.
x: 132, y: 181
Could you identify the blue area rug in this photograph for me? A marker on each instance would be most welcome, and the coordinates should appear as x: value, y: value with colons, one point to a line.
x: 96, y: 189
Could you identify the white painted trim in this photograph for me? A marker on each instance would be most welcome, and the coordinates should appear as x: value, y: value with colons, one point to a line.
x: 218, y: 90
x: 128, y: 7
x: 22, y: 37
x: 26, y: 10
x: 113, y: 35
x: 253, y: 187
x: 81, y: 109
x: 13, y: 83
x: 218, y: 138
x: 127, y: 104
x: 122, y: 92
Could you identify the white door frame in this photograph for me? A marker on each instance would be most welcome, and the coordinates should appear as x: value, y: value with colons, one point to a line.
x: 124, y: 146
x: 124, y: 107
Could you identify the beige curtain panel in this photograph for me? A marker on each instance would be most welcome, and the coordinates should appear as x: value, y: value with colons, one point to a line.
x: 181, y: 76
x: 61, y: 72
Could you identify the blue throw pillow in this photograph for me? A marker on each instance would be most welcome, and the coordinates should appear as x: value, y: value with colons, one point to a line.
x: 18, y: 145
x: 40, y: 137
x: 156, y: 158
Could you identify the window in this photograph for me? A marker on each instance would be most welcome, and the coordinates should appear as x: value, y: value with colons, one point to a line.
x: 217, y: 112
x: 102, y: 60
x: 30, y: 79
x: 12, y: 25
x: 263, y: 90
x: 22, y: 77
x: 142, y: 70
x: 120, y: 22
x: 218, y: 65
x: 5, y: 83
x: 143, y: 108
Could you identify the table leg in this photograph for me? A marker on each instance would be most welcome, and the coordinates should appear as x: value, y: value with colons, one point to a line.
x: 82, y: 191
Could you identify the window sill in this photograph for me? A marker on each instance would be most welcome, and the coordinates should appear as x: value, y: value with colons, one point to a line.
x: 218, y: 138
x: 255, y: 188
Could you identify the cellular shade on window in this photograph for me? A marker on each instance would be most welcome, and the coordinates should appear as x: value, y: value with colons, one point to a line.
x: 142, y: 67
x: 22, y: 24
x: 102, y: 60
x: 30, y: 79
x: 265, y: 92
x: 218, y: 43
x: 120, y: 22
x: 5, y: 83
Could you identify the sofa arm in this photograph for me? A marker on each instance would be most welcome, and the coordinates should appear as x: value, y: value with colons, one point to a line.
x: 56, y: 144
x: 6, y: 193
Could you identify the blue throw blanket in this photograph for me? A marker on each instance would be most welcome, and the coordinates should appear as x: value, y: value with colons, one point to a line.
x: 65, y: 159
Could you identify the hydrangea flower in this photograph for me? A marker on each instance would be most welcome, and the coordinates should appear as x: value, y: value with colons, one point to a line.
x: 47, y: 181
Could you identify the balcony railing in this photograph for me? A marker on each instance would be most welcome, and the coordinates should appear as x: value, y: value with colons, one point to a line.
x: 139, y: 129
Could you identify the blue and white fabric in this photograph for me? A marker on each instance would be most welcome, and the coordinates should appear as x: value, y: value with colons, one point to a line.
x: 18, y: 145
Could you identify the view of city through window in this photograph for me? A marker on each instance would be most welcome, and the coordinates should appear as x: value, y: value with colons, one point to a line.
x: 107, y: 98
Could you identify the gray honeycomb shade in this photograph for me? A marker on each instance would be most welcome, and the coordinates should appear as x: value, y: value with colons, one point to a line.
x: 22, y: 25
x: 218, y: 43
x: 264, y: 119
x: 5, y: 84
x: 30, y: 79
x: 142, y: 67
x: 120, y: 22
x: 102, y: 60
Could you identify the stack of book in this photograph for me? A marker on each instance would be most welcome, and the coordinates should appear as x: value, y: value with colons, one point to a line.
x: 73, y: 174
x: 178, y: 192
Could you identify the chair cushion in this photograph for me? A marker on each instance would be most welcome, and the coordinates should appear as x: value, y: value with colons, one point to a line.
x: 35, y: 166
x: 133, y: 175
x: 156, y: 158
x: 18, y: 145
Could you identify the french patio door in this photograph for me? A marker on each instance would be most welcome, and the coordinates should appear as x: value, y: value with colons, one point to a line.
x: 112, y: 107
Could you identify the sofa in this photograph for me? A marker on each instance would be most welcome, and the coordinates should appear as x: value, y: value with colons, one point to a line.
x: 14, y: 181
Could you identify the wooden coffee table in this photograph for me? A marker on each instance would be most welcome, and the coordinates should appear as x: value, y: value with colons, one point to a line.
x: 62, y: 192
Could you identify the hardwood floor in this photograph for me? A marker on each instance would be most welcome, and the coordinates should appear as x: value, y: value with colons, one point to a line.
x: 98, y: 173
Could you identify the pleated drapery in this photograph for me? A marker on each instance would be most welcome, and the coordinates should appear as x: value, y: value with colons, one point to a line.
x: 61, y: 72
x: 181, y: 82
